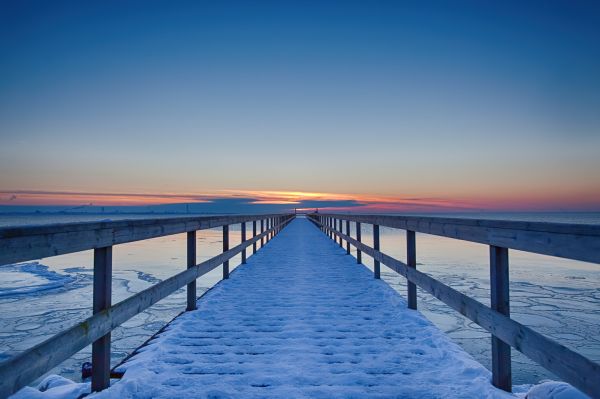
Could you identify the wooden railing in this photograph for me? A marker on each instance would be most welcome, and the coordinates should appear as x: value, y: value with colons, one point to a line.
x: 35, y: 242
x: 578, y: 242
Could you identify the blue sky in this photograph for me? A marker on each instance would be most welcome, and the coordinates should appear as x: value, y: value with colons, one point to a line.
x: 478, y: 101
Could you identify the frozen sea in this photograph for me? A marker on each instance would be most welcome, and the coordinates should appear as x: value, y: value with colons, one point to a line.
x: 559, y: 298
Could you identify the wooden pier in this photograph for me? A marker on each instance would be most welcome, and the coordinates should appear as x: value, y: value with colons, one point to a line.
x: 577, y: 242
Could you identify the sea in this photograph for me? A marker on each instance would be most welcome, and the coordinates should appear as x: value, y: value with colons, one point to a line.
x: 557, y: 297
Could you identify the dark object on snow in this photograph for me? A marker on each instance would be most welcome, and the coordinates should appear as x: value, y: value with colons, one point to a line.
x: 86, y: 370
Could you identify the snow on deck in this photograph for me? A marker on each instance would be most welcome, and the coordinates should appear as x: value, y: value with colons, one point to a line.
x: 302, y: 319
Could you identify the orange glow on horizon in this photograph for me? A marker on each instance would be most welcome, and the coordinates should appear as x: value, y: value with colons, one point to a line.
x: 296, y: 199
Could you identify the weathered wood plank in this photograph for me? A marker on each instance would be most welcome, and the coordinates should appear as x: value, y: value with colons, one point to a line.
x: 358, y: 238
x: 18, y: 244
x: 243, y: 233
x: 18, y: 371
x: 102, y: 296
x: 225, y: 249
x: 253, y: 235
x: 376, y: 265
x: 347, y: 233
x: 411, y: 261
x: 571, y: 241
x: 191, y: 262
x: 500, y: 302
x: 568, y: 365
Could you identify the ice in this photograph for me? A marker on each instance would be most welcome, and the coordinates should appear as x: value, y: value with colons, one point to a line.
x: 31, y: 278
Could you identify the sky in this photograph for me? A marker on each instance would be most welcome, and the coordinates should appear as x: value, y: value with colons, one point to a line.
x: 395, y: 105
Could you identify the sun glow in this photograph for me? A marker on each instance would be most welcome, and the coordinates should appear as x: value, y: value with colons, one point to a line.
x: 304, y: 200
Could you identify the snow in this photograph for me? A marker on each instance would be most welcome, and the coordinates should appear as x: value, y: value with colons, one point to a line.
x: 54, y: 387
x: 300, y: 320
x: 554, y: 390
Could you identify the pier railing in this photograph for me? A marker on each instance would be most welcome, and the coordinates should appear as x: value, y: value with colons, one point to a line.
x: 577, y: 242
x: 34, y: 242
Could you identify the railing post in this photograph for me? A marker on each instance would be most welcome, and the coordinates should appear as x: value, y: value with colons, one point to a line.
x: 191, y: 262
x: 500, y: 302
x: 262, y: 230
x: 411, y: 261
x: 331, y: 226
x: 101, y: 301
x: 253, y: 235
x: 339, y: 229
x: 335, y: 237
x: 243, y: 240
x: 358, y: 238
x: 376, y: 266
x: 348, y: 234
x: 226, y: 248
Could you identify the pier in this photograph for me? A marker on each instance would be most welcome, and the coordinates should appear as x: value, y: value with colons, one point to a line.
x: 301, y: 317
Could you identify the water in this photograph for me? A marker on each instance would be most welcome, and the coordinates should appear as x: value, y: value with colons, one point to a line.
x: 559, y: 298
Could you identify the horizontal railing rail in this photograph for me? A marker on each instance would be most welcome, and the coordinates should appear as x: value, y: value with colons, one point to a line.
x: 571, y: 241
x: 19, y: 244
x: 571, y: 366
x: 21, y: 369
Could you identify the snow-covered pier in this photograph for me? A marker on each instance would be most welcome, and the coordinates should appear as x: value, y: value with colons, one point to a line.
x: 301, y: 317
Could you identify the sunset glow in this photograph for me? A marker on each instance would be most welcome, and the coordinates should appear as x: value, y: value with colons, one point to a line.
x: 295, y: 199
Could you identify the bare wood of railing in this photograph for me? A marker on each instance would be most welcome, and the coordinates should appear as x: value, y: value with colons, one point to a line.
x: 577, y: 242
x: 35, y: 242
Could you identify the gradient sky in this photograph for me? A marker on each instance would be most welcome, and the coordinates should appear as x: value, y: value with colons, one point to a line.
x: 492, y: 104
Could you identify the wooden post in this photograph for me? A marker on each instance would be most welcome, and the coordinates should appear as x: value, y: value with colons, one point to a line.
x: 191, y: 262
x: 262, y: 230
x: 376, y: 268
x: 335, y: 237
x: 269, y: 225
x: 243, y: 240
x: 331, y: 227
x: 101, y: 301
x: 358, y: 238
x: 500, y: 302
x: 339, y: 228
x: 348, y: 234
x: 225, y: 248
x: 253, y: 235
x: 411, y: 261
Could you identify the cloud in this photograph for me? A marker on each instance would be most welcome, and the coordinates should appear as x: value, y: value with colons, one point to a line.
x: 328, y: 204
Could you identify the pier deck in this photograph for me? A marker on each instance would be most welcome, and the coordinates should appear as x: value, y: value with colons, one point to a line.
x: 302, y: 319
